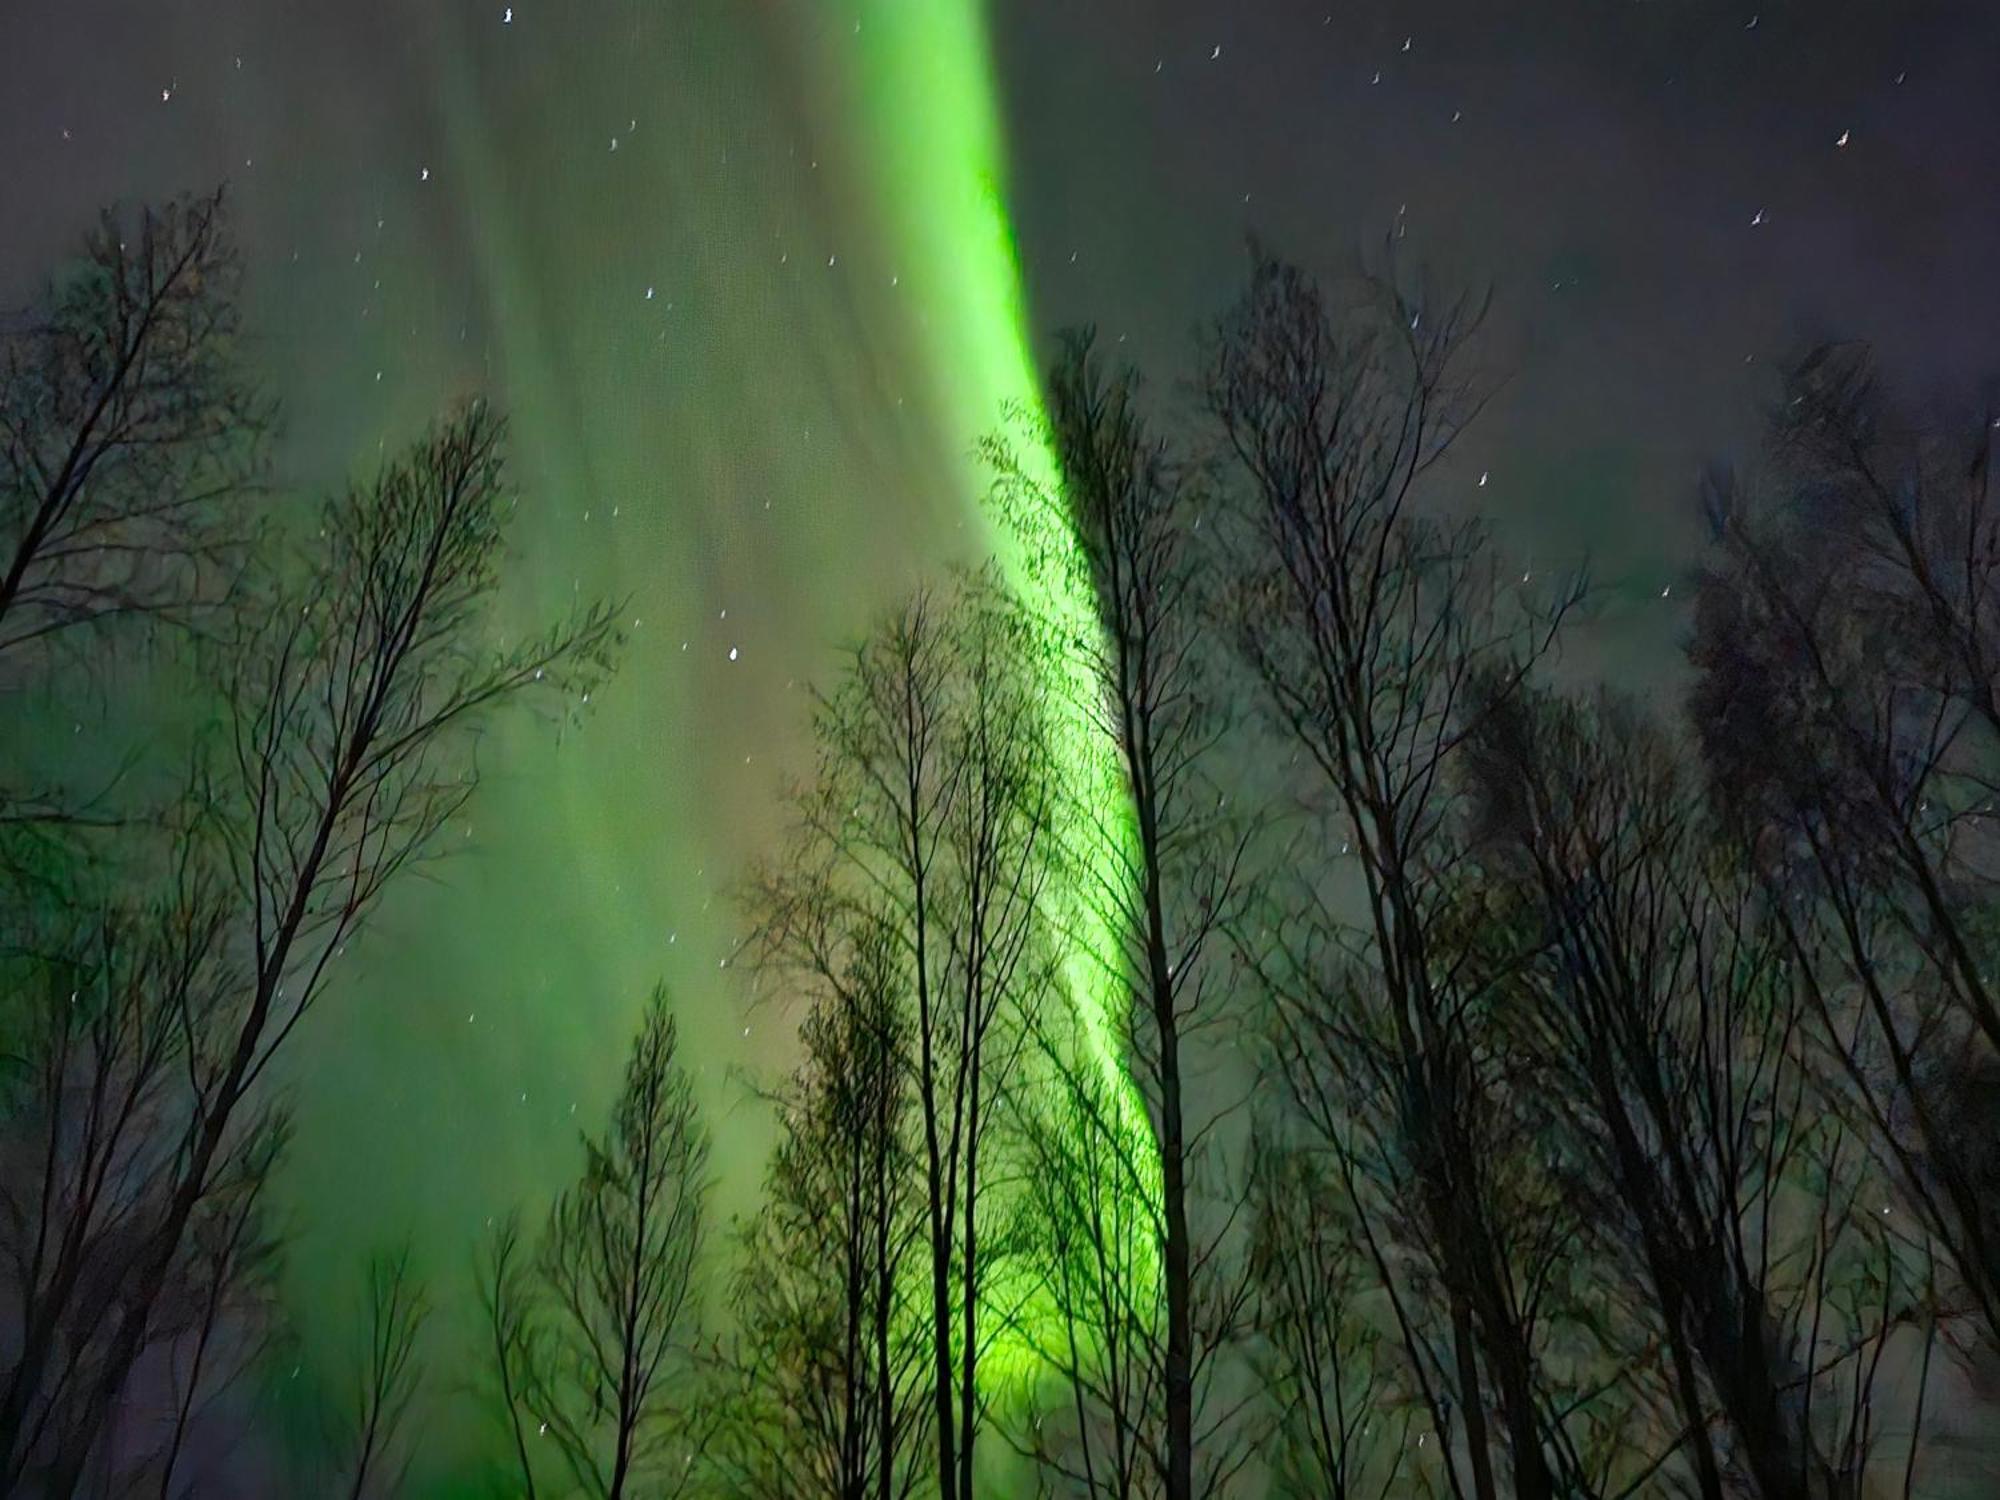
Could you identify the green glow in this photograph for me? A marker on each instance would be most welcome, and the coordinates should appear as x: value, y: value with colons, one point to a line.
x: 894, y: 159
x: 926, y: 95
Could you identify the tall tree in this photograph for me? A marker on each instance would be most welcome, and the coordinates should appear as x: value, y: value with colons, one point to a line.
x: 1364, y: 620
x: 1166, y: 881
x: 348, y: 694
x: 827, y: 1377
x: 1844, y: 638
x: 596, y: 1340
x: 930, y: 815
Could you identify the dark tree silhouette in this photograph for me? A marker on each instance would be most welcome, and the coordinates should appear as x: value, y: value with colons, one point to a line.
x: 1671, y: 1035
x: 827, y: 1379
x: 596, y: 1339
x: 387, y: 1380
x: 930, y: 819
x: 349, y: 689
x: 126, y: 429
x: 1844, y: 638
x: 1364, y: 621
x: 1086, y: 1226
x: 1163, y: 881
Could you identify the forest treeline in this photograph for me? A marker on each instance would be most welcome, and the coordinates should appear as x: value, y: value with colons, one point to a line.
x: 1370, y: 1060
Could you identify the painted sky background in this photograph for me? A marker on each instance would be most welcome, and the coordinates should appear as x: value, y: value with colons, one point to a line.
x: 434, y: 199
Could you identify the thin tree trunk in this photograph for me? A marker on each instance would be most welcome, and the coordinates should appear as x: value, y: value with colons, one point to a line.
x: 968, y: 1391
x: 1472, y: 1400
x: 1179, y: 1372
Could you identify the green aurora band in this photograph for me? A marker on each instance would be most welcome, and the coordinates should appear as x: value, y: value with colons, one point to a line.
x: 791, y: 129
x: 926, y: 95
x: 445, y: 201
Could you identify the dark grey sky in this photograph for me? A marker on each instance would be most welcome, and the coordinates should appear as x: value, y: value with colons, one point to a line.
x: 1601, y: 163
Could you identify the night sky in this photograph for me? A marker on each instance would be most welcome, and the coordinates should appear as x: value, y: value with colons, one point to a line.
x: 664, y: 235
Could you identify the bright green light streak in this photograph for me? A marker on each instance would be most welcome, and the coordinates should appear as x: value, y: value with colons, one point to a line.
x: 926, y: 95
x: 922, y: 94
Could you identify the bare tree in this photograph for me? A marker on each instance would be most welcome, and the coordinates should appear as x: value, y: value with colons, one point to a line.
x: 506, y: 1300
x: 1087, y: 1226
x: 1089, y: 1219
x: 1162, y: 870
x: 1364, y: 621
x: 596, y: 1341
x: 1672, y: 1031
x: 930, y: 816
x: 125, y: 428
x: 827, y: 1376
x: 350, y: 693
x: 1843, y: 638
x: 92, y: 1131
x: 388, y: 1378
x: 234, y: 1257
x: 1343, y: 1423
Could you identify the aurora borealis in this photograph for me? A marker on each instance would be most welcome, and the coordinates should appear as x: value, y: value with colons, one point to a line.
x: 925, y: 152
x: 746, y: 297
x: 753, y: 278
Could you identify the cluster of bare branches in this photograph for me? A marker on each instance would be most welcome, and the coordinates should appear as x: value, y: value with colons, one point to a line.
x: 594, y: 1336
x: 127, y: 432
x: 1591, y: 1087
x: 346, y: 668
x: 1254, y: 1026
x: 1631, y: 1061
x: 828, y: 1377
x: 909, y: 911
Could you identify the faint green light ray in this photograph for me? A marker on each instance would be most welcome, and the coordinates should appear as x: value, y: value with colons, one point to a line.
x: 925, y: 94
x: 917, y: 83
